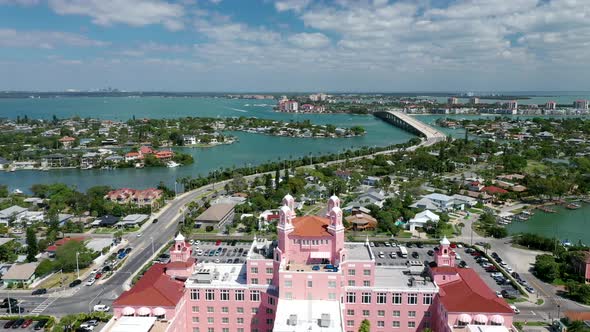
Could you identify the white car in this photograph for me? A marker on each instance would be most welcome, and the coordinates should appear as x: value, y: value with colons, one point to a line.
x: 515, y: 309
x: 499, y: 294
x: 101, y: 307
x: 138, y: 235
x: 90, y: 282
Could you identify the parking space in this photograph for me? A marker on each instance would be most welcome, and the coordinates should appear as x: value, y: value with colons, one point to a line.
x: 22, y: 324
x: 391, y: 254
x: 221, y: 251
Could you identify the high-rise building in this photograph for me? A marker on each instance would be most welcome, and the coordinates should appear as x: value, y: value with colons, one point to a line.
x: 453, y: 100
x: 551, y: 105
x: 581, y: 105
x: 474, y: 100
x: 311, y: 279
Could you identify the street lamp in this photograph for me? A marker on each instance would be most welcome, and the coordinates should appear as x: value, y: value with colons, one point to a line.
x: 77, y: 264
x: 153, y: 252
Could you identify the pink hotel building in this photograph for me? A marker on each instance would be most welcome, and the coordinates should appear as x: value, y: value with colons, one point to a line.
x: 309, y: 280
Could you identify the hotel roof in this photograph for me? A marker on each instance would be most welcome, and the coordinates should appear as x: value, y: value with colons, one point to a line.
x: 357, y: 251
x: 469, y: 293
x: 217, y: 275
x: 308, y: 315
x: 154, y: 289
x: 396, y: 278
x: 311, y: 226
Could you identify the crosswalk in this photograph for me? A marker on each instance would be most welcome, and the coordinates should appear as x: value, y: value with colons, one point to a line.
x: 44, y: 305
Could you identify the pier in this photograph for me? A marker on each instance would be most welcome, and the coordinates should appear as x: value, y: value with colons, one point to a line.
x: 411, y: 124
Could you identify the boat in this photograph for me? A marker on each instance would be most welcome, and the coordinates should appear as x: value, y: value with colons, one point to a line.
x: 172, y: 164
x: 17, y: 192
x: 572, y: 206
x: 546, y: 209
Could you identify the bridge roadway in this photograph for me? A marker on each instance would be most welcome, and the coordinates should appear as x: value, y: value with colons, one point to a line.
x: 409, y: 123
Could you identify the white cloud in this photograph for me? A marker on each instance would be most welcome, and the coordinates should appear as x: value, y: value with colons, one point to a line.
x: 131, y: 12
x: 44, y: 39
x: 310, y: 40
x: 295, y: 5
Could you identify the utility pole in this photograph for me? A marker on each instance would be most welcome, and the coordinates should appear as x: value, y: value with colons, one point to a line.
x: 77, y: 264
x: 153, y: 252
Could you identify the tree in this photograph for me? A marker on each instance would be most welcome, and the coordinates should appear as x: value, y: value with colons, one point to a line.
x: 32, y: 248
x: 546, y: 268
x: 365, y: 326
x: 65, y: 256
x: 277, y: 178
x: 487, y: 247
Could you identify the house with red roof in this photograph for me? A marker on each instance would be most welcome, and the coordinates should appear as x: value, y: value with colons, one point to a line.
x: 67, y: 142
x: 53, y: 248
x: 147, y: 197
x: 494, y: 191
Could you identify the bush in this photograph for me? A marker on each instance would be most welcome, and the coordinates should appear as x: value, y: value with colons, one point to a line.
x: 45, y: 267
x: 209, y: 228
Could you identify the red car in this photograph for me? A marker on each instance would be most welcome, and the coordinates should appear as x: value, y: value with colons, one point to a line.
x: 453, y: 245
x: 218, y: 242
x: 26, y: 323
x: 98, y: 275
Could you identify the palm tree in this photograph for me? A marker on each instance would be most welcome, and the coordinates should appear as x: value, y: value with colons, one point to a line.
x: 487, y: 246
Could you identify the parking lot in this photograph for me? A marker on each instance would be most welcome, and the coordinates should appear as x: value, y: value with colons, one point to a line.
x: 221, y: 251
x: 391, y: 255
x: 31, y: 326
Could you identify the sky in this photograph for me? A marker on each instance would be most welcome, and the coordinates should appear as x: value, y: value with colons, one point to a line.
x: 295, y: 45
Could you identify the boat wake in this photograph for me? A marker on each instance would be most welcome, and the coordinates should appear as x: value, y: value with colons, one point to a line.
x: 237, y: 109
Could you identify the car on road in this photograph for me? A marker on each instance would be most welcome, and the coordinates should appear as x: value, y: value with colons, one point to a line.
x: 217, y: 260
x: 515, y: 309
x: 101, y: 308
x: 27, y: 323
x: 40, y: 324
x: 39, y: 291
x: 138, y: 235
x: 499, y: 294
x: 13, y: 302
x: 75, y: 283
x: 530, y: 289
x: 155, y: 220
x: 128, y: 250
x: 15, y: 310
x: 98, y: 275
x: 372, y: 244
x: 90, y: 282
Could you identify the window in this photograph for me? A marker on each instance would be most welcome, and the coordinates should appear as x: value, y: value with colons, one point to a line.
x: 366, y: 313
x: 210, y: 329
x: 269, y: 281
x: 195, y: 294
x: 210, y: 309
x: 412, y: 324
x: 269, y: 270
x: 195, y: 319
x: 397, y: 298
x: 309, y: 283
x: 351, y: 272
x: 209, y: 295
x: 349, y: 323
x: 426, y: 325
x: 396, y: 313
x: 240, y: 320
x: 427, y: 314
x: 366, y: 298
x: 210, y: 320
x: 427, y: 298
x: 224, y: 293
x: 331, y: 296
x: 380, y: 323
x: 367, y: 272
x: 269, y: 321
x: 225, y: 329
x: 288, y: 283
x: 331, y: 284
x: 254, y: 270
x: 366, y: 283
x: 271, y: 300
x: 350, y: 312
x: 196, y: 329
x: 224, y: 320
x: 381, y: 298
x: 240, y: 329
x: 396, y: 324
x: 255, y: 296
x: 411, y: 313
x: 254, y: 281
x: 269, y: 311
x: 289, y: 296
x: 412, y: 298
x: 350, y: 297
x: 225, y: 309
x: 195, y: 308
x: 381, y: 313
x: 254, y: 310
x: 351, y: 283
x: 240, y: 310
x: 239, y: 295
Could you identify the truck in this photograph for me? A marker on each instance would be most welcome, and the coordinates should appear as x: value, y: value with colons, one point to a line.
x: 403, y: 252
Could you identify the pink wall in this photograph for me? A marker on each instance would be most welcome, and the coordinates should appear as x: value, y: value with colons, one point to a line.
x: 325, y: 285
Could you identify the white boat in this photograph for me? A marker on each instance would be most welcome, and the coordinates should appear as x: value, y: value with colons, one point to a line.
x: 17, y: 192
x: 172, y: 164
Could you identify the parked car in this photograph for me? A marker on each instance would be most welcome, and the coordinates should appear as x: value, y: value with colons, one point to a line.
x: 40, y: 324
x: 39, y: 291
x: 415, y: 254
x: 89, y: 324
x: 430, y: 252
x: 8, y: 324
x: 75, y: 283
x: 17, y: 323
x: 27, y: 323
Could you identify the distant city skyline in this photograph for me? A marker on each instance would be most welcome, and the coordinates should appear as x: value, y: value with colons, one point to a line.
x: 295, y: 45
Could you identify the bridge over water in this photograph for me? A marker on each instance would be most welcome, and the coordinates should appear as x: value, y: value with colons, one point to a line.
x: 411, y: 124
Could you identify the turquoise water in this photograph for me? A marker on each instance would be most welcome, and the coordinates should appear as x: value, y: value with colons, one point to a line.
x: 252, y: 149
x: 572, y: 225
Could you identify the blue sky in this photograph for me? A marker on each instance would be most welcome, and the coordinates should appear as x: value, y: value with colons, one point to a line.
x: 295, y: 45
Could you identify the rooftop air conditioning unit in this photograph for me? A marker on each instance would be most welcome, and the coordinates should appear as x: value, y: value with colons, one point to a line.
x: 325, y: 320
x: 292, y: 321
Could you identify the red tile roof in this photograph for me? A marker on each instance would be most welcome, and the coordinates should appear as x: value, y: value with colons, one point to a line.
x: 494, y: 190
x: 311, y: 226
x: 67, y: 139
x: 154, y: 289
x: 469, y: 294
x: 61, y: 242
x: 181, y: 265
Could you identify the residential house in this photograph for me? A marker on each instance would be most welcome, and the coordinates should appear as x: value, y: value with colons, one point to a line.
x: 53, y: 248
x: 371, y: 180
x: 372, y: 196
x: 164, y: 155
x: 12, y: 213
x: 133, y: 156
x: 4, y: 163
x: 55, y: 160
x: 494, y: 191
x: 133, y: 220
x: 361, y: 220
x: 105, y: 221
x: 89, y: 160
x: 474, y: 186
x: 344, y: 175
x: 217, y: 215
x: 67, y: 142
x: 435, y: 202
x: 189, y: 140
x: 421, y: 219
x: 114, y: 159
x: 148, y: 197
x: 20, y: 274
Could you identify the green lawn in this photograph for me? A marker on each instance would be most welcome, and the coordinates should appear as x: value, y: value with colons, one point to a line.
x: 534, y: 166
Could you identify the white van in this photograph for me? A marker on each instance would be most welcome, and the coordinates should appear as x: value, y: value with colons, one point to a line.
x: 101, y: 307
